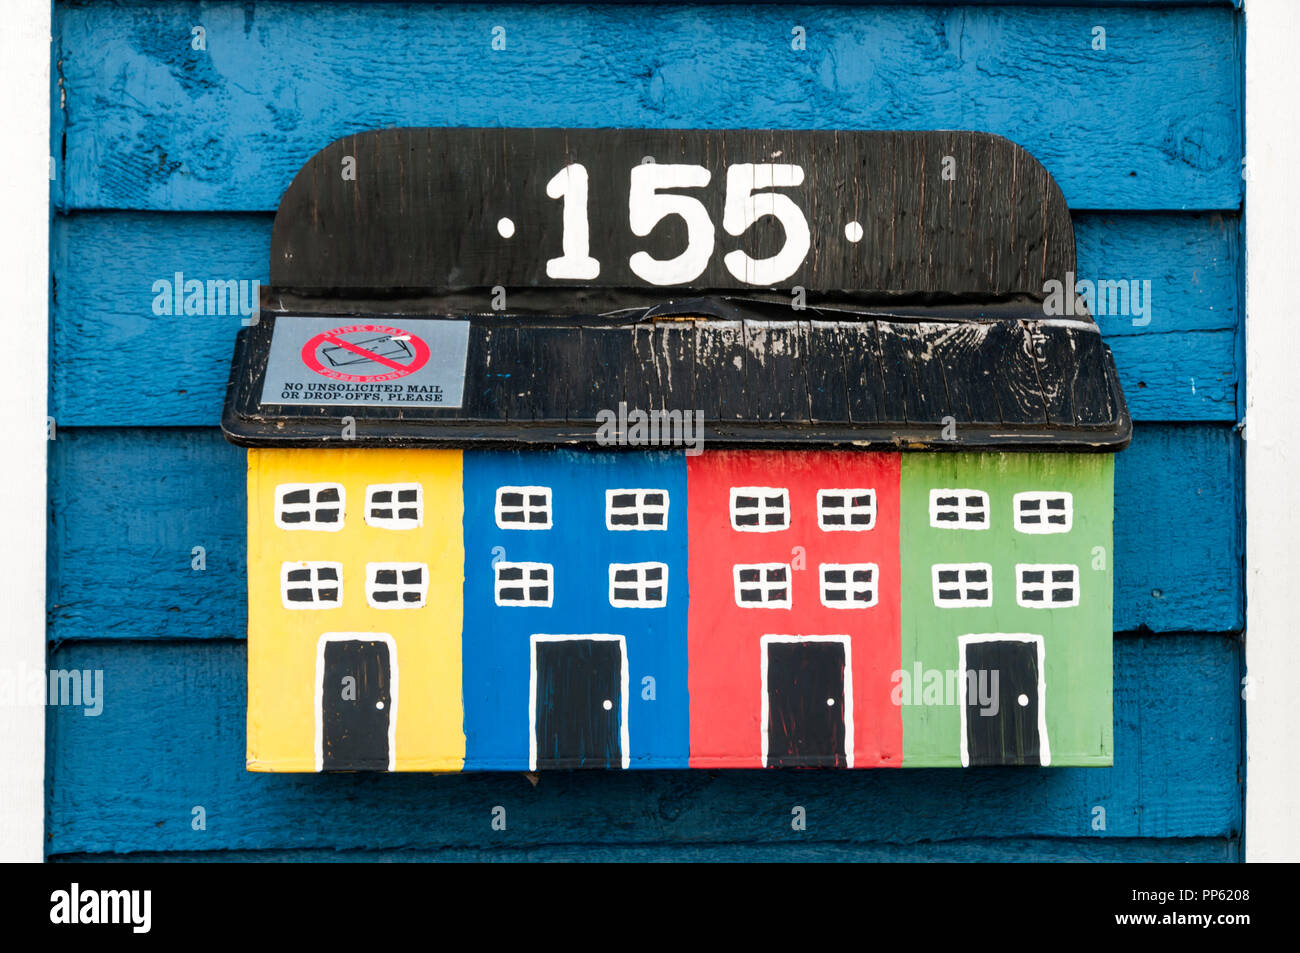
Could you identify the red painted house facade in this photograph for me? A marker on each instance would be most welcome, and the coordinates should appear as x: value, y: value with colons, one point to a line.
x: 794, y: 609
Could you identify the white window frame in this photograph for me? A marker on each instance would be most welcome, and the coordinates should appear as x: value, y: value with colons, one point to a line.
x: 281, y: 508
x: 526, y: 508
x: 395, y: 522
x: 392, y: 688
x: 400, y: 587
x: 963, y: 509
x: 848, y: 509
x: 640, y: 585
x: 1046, y: 586
x: 640, y: 508
x: 964, y: 602
x: 527, y: 567
x: 762, y: 509
x: 849, y: 585
x: 314, y: 584
x: 1044, y: 748
x: 765, y: 713
x: 763, y: 585
x: 1043, y: 496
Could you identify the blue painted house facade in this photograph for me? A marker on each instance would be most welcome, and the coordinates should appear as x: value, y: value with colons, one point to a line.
x: 172, y: 160
x: 564, y: 549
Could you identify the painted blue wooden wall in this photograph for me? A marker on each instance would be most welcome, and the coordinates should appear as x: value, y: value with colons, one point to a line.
x: 170, y: 159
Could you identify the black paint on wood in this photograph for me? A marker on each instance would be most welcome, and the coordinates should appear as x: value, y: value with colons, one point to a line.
x: 1009, y: 736
x: 354, y: 715
x: 805, y: 699
x: 578, y: 703
x: 422, y: 211
x: 1000, y: 377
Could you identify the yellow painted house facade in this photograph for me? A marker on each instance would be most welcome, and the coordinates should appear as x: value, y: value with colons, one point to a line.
x: 355, y: 572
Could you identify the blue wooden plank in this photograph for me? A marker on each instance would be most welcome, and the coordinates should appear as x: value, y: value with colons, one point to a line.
x: 1010, y: 850
x: 128, y: 506
x: 173, y: 721
x: 117, y: 363
x: 1151, y: 122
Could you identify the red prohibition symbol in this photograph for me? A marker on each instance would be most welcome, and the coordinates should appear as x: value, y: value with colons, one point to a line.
x: 348, y: 353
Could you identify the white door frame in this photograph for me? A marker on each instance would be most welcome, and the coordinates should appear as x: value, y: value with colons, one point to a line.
x: 24, y: 293
x: 846, y: 714
x: 1272, y: 829
x: 624, y: 736
x: 1044, y: 746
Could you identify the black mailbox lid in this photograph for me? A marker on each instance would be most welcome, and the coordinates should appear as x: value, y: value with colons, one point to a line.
x: 942, y: 377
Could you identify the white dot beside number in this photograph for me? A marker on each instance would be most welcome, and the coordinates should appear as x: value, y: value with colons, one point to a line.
x: 853, y: 232
x: 506, y: 228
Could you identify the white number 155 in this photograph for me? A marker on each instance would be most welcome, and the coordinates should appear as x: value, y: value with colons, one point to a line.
x: 649, y: 202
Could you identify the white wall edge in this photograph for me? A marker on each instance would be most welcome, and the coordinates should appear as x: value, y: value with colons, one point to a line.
x: 24, y: 298
x: 1272, y: 828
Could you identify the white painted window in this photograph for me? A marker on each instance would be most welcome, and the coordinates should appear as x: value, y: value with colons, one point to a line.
x: 396, y: 585
x: 849, y: 585
x: 962, y: 585
x: 1047, y: 585
x: 524, y: 507
x: 762, y: 585
x: 394, y: 505
x: 638, y: 585
x: 959, y: 509
x: 760, y: 509
x: 311, y: 585
x: 317, y: 506
x: 524, y: 584
x: 636, y: 509
x: 1038, y: 513
x: 846, y: 509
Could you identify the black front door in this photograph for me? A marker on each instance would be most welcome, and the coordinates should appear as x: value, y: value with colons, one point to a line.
x: 356, y: 704
x: 805, y: 704
x: 1002, y: 725
x: 579, y: 703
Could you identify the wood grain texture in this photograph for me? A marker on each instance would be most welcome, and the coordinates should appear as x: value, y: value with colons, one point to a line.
x: 1149, y: 123
x: 128, y: 506
x: 184, y: 747
x: 105, y: 266
x: 1005, y: 850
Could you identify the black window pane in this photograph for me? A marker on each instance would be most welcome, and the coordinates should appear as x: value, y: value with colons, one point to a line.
x: 654, y: 499
x: 949, y: 593
x: 830, y: 501
x: 329, y: 595
x: 1062, y: 575
x: 776, y: 518
x: 948, y: 575
x: 512, y: 516
x: 411, y: 597
x: 1030, y: 518
x: 746, y: 519
x: 1056, y: 503
x: 977, y: 575
x: 776, y: 502
x: 328, y: 495
x: 298, y: 575
x: 864, y: 500
x: 301, y: 516
x: 384, y: 595
x: 978, y: 594
x: 749, y: 575
x: 654, y: 573
x: 1028, y: 505
x: 975, y: 517
x: 327, y: 572
x: 381, y: 496
x: 379, y: 514
x: 1057, y: 518
x: 654, y: 594
x: 541, y: 573
x: 834, y: 575
x: 299, y: 595
x: 512, y: 594
x: 975, y: 501
x: 776, y: 575
x: 539, y: 593
x: 835, y: 595
x: 1062, y: 595
x: 408, y: 513
x: 408, y: 496
x: 386, y: 577
x: 297, y: 496
x: 750, y: 595
x: 862, y: 595
x: 833, y: 519
x: 327, y: 516
x: 776, y: 595
x: 625, y: 595
x: 947, y: 501
x: 746, y: 502
x: 509, y: 573
x: 946, y: 516
x: 862, y: 575
x: 861, y: 519
x: 412, y: 577
x: 654, y: 519
x: 623, y: 500
x: 1032, y: 595
x: 625, y: 575
x: 512, y: 499
x: 622, y: 519
x: 539, y: 516
x: 1036, y: 576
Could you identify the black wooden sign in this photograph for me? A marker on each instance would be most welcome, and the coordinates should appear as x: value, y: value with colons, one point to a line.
x: 916, y: 214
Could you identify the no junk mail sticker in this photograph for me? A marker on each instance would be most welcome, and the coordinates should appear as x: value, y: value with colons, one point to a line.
x: 328, y: 361
x: 452, y: 566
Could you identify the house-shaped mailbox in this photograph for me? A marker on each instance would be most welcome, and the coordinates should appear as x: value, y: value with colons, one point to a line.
x: 657, y: 449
